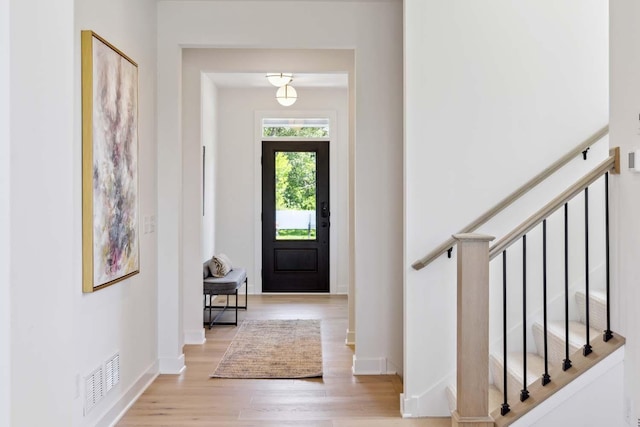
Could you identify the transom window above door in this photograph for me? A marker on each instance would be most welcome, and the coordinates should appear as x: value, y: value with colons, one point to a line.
x: 295, y: 127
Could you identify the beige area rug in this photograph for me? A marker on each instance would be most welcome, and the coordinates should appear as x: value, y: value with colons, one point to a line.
x: 273, y: 349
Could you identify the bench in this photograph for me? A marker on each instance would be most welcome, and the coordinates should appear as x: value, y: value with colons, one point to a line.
x: 227, y: 285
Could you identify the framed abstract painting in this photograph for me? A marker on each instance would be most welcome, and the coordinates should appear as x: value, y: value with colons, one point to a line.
x: 110, y: 228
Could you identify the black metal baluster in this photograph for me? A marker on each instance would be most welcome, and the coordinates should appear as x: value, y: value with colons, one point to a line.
x: 546, y: 379
x: 504, y: 409
x: 524, y: 393
x: 566, y: 363
x: 607, y: 333
x: 586, y: 350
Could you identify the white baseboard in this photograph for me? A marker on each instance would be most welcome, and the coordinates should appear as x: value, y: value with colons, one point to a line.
x: 393, y: 369
x: 372, y: 366
x: 307, y: 294
x: 343, y: 289
x: 431, y: 403
x: 351, y: 338
x: 172, y: 365
x: 408, y: 406
x: 194, y: 336
x: 123, y: 404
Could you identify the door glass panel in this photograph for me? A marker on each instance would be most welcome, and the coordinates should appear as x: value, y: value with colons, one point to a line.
x: 295, y: 195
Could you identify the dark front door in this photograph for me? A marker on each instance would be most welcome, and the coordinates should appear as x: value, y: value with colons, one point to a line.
x: 295, y: 216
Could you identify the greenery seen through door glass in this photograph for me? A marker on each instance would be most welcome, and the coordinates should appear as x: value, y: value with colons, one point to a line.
x: 295, y: 195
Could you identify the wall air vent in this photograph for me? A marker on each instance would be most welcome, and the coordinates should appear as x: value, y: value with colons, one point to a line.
x: 112, y: 372
x: 94, y: 389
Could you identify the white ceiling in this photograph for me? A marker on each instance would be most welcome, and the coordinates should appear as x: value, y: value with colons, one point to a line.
x: 250, y: 80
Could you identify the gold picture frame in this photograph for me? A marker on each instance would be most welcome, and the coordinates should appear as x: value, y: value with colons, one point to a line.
x: 110, y: 194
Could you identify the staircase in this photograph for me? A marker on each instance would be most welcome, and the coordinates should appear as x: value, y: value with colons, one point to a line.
x: 499, y: 389
x: 556, y: 348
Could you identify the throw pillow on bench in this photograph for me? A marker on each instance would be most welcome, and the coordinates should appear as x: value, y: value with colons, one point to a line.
x: 220, y: 265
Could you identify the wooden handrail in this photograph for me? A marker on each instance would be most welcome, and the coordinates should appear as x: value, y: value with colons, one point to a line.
x: 449, y: 243
x: 612, y: 162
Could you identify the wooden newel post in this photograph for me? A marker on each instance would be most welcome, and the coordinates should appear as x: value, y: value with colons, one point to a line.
x: 473, y: 332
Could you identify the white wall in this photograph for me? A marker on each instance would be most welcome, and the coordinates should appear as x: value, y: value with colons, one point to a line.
x: 5, y: 228
x: 209, y: 131
x: 42, y: 211
x: 80, y: 330
x: 121, y: 318
x: 378, y: 158
x: 200, y: 115
x: 170, y: 316
x: 625, y: 132
x: 492, y: 96
x: 192, y: 222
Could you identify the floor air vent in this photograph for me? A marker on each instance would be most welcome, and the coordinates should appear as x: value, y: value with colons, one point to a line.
x: 94, y: 389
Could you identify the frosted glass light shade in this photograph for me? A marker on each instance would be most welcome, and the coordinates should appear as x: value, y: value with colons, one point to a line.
x: 279, y: 79
x: 286, y: 95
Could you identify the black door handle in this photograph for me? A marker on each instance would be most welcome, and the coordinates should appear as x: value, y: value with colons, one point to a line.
x: 324, y: 210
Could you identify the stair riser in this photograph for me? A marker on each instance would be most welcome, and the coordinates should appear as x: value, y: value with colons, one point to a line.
x: 556, y: 340
x: 513, y: 385
x: 597, y: 312
x: 514, y: 381
x: 556, y: 346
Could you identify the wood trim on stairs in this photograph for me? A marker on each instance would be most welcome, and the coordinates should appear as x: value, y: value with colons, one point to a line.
x: 507, y: 201
x: 559, y: 379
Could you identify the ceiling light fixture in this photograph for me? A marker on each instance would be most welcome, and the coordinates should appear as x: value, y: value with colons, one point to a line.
x: 286, y: 95
x: 279, y: 79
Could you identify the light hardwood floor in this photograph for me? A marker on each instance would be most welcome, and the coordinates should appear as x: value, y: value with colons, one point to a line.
x: 339, y: 399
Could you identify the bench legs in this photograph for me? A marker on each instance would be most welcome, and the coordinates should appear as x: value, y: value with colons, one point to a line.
x: 246, y: 295
x: 213, y: 320
x: 222, y: 308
